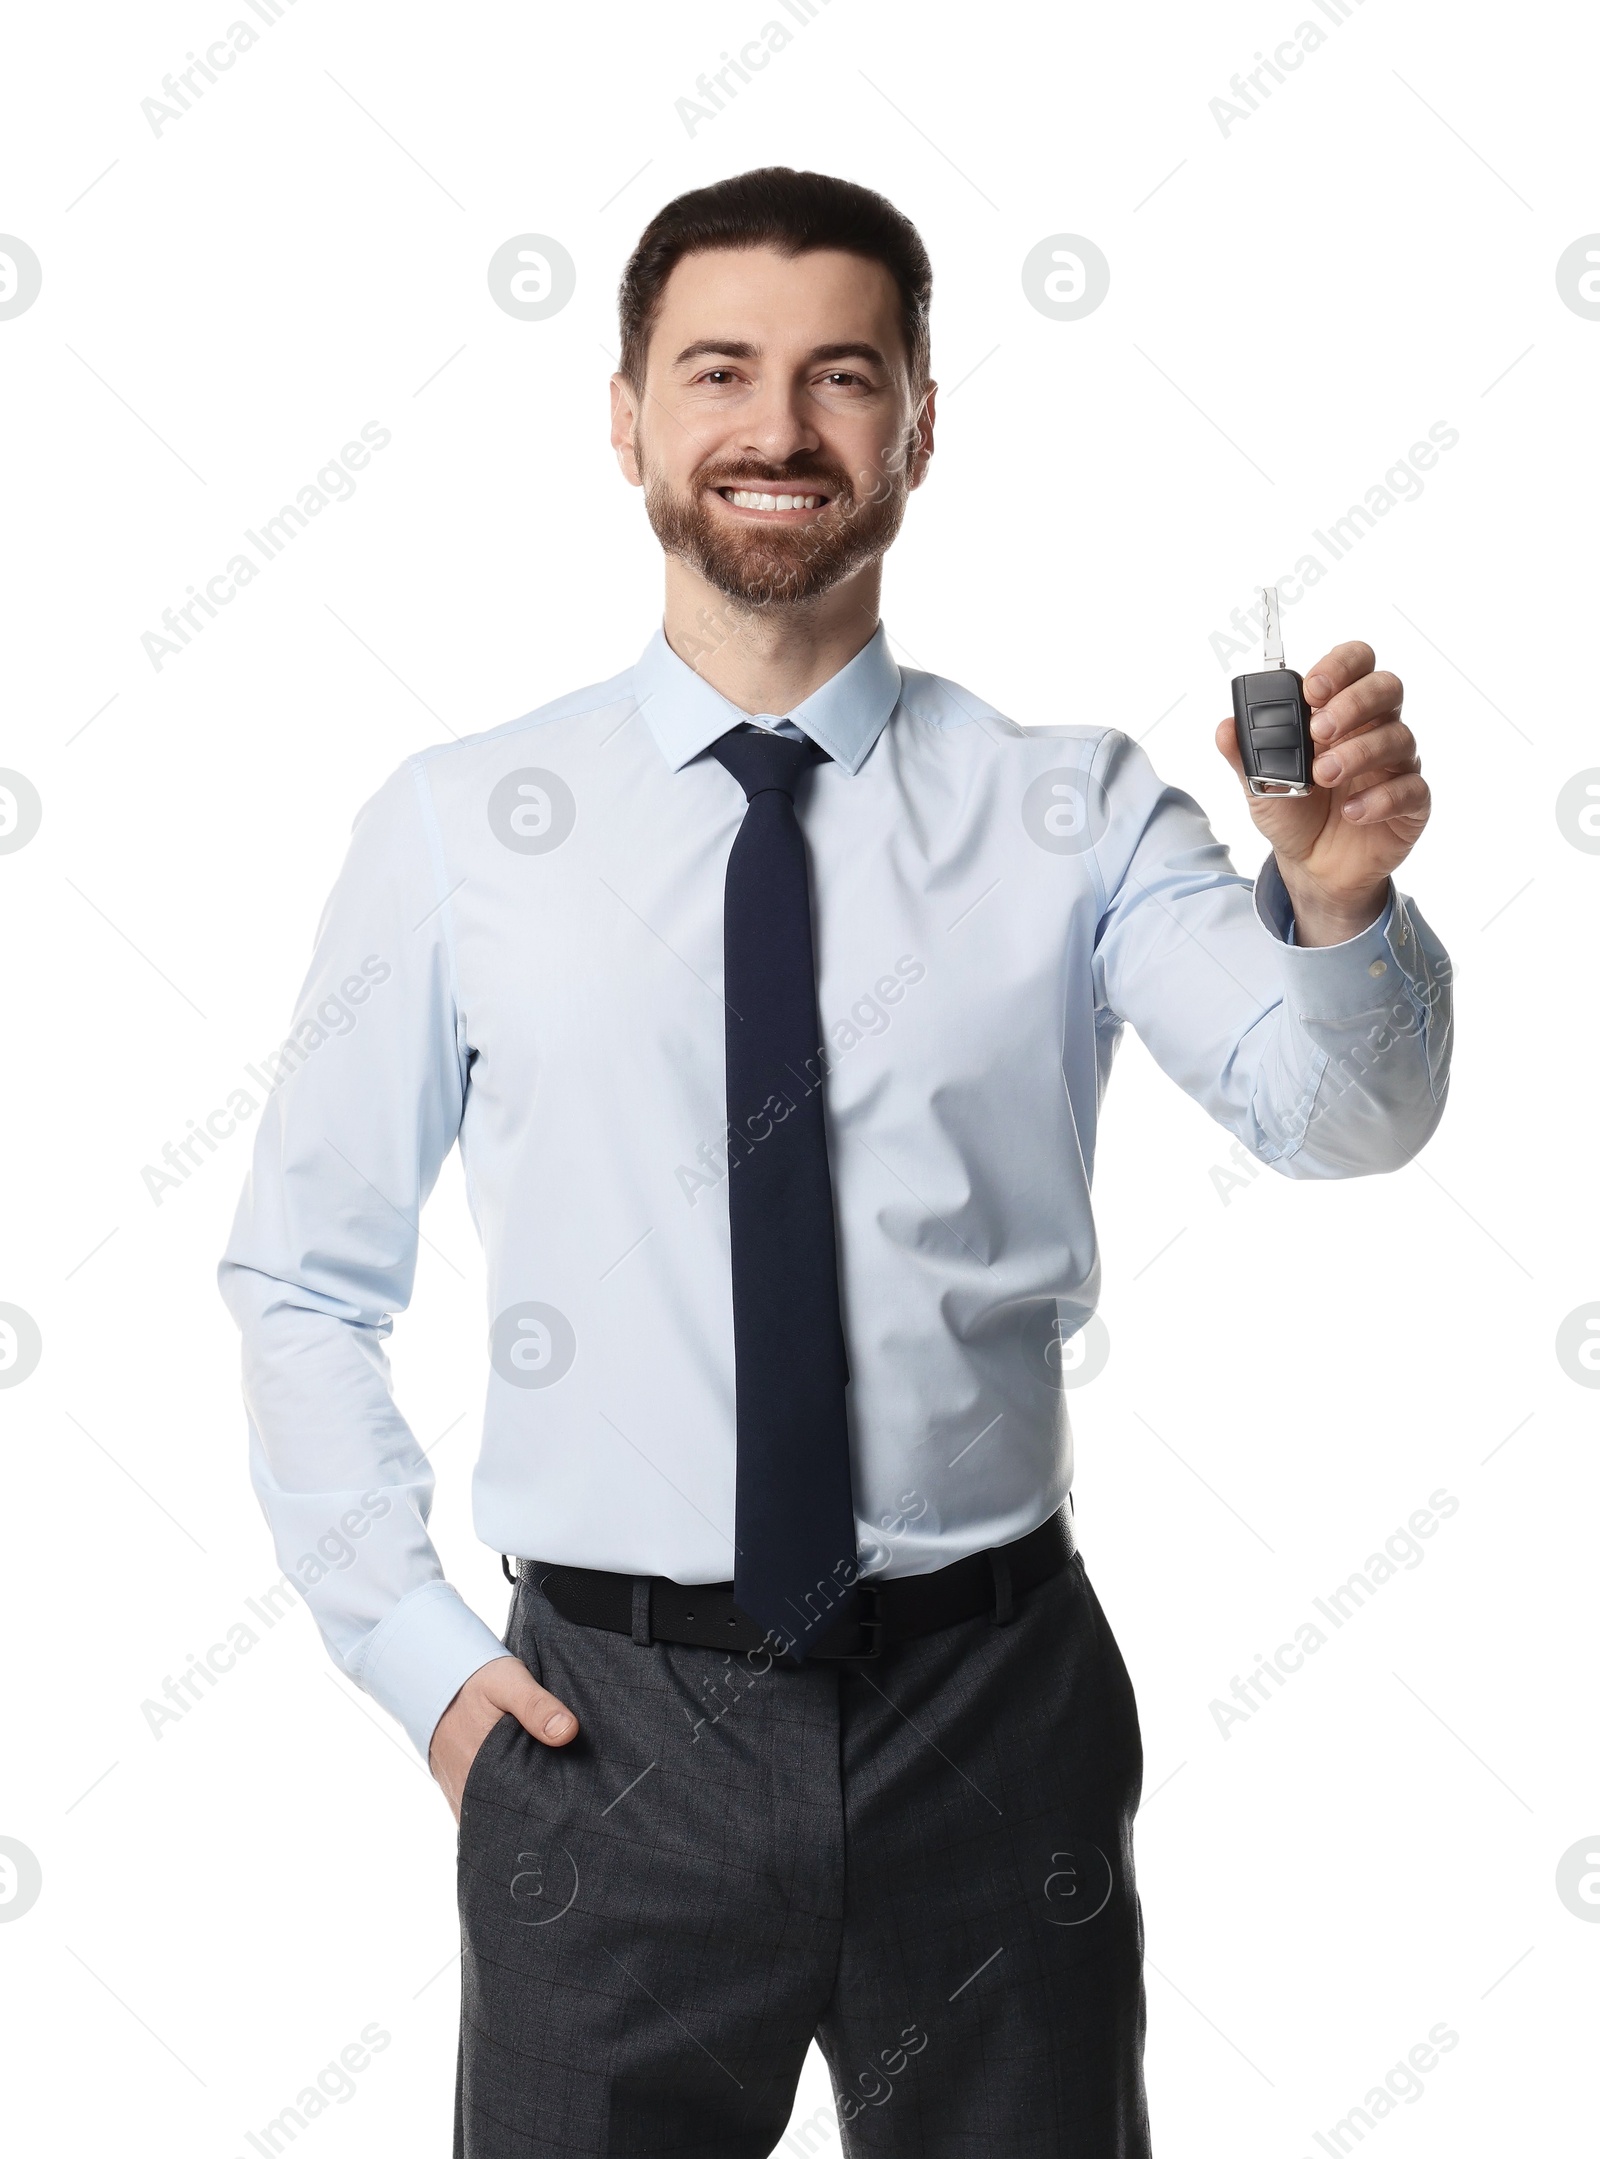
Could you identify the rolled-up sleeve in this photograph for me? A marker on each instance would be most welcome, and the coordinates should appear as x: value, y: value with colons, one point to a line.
x: 366, y: 1100
x: 1325, y: 1061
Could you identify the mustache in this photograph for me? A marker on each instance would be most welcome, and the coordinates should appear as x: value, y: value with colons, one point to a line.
x: 821, y: 479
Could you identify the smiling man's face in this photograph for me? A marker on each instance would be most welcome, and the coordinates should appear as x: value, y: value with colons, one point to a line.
x: 779, y: 432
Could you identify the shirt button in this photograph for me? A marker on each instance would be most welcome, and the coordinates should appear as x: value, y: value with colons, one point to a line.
x: 1378, y: 967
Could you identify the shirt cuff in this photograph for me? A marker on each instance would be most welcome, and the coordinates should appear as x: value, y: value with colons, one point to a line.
x: 417, y: 1660
x: 1381, y: 965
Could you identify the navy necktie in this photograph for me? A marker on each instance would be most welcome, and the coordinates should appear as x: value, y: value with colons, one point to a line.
x: 794, y: 1526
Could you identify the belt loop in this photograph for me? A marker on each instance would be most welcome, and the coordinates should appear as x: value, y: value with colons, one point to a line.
x: 1004, y: 1607
x: 641, y: 1610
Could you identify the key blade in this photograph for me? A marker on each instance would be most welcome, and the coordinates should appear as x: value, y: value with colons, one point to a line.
x: 1272, y: 631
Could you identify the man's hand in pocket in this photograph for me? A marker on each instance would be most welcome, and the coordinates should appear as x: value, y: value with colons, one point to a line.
x: 503, y: 1685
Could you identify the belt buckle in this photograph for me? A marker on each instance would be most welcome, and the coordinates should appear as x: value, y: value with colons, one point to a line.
x: 871, y: 1624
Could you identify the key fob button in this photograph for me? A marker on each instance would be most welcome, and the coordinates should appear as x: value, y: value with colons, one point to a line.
x: 1278, y: 764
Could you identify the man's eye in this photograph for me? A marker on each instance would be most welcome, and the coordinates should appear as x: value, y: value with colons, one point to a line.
x: 716, y: 374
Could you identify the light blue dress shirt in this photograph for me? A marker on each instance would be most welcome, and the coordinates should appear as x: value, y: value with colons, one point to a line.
x: 523, y: 956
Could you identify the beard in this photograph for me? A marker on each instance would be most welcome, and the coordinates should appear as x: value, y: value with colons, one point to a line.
x: 776, y: 565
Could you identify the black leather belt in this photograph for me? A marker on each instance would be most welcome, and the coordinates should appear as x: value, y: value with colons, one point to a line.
x: 873, y: 1615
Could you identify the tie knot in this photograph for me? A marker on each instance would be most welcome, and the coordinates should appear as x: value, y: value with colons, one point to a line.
x: 763, y: 762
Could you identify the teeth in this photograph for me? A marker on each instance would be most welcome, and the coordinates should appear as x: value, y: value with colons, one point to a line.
x: 743, y: 499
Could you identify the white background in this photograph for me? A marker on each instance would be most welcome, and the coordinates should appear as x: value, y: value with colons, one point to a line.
x: 1293, y: 1372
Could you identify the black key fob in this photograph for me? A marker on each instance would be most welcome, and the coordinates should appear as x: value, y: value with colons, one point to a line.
x: 1272, y: 720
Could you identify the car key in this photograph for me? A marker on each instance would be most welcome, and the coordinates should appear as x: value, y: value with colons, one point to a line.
x: 1271, y: 718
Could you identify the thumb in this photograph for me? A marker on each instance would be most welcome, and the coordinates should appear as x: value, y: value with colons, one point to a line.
x: 1227, y: 741
x: 511, y: 1687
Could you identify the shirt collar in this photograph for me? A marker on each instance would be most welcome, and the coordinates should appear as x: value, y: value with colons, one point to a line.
x: 845, y: 717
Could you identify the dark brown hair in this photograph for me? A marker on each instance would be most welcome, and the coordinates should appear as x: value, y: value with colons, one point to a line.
x: 793, y: 212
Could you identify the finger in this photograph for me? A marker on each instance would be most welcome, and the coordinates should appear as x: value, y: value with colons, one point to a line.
x: 1408, y: 795
x: 1391, y: 747
x: 1343, y: 665
x: 1357, y: 706
x: 542, y: 1714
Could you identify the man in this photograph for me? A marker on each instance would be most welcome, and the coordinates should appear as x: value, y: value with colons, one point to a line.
x: 770, y: 991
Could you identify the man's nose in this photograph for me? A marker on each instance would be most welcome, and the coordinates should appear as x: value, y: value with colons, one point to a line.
x: 777, y: 429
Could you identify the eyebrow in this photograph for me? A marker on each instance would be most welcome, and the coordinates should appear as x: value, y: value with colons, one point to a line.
x: 733, y: 348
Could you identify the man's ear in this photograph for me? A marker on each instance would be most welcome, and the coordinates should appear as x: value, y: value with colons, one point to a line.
x: 624, y: 420
x: 922, y: 436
